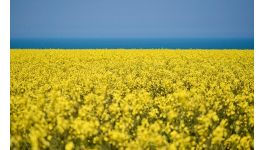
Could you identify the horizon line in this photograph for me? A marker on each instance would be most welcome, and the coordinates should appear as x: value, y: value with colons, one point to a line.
x: 131, y: 37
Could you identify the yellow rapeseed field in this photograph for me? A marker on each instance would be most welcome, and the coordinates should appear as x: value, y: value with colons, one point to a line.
x: 131, y: 99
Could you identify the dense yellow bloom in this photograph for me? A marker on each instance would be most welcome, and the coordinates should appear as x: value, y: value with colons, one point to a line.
x: 132, y: 99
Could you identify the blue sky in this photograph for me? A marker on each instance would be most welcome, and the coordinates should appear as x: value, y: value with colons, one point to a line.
x: 131, y: 18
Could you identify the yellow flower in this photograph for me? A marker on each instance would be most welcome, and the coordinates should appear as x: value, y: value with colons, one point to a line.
x: 131, y: 99
x: 69, y: 146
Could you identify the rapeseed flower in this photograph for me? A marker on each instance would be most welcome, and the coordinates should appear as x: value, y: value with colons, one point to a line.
x: 130, y: 99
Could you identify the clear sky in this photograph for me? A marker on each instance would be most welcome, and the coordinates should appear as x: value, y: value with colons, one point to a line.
x: 131, y: 18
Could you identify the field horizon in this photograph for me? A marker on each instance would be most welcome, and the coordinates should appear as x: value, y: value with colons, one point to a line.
x: 128, y: 49
x: 132, y: 75
x: 133, y: 43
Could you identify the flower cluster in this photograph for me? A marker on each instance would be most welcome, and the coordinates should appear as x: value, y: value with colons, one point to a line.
x: 131, y: 99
